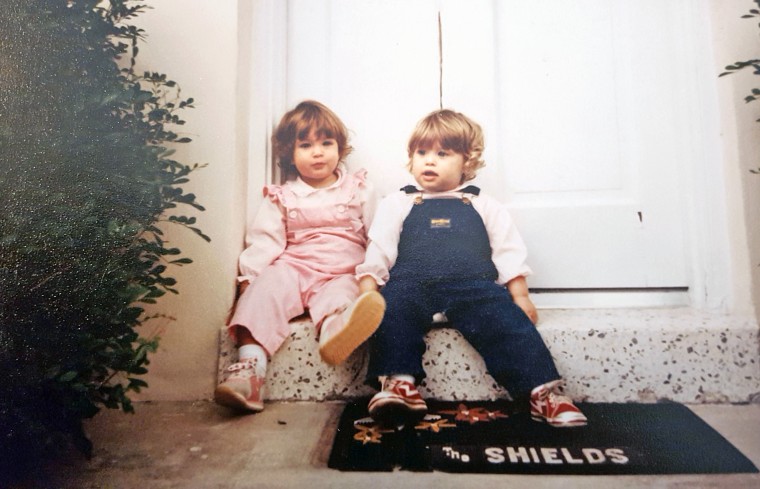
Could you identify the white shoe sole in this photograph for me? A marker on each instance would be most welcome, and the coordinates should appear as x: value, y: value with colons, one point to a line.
x: 395, y: 411
x: 226, y: 396
x: 572, y: 423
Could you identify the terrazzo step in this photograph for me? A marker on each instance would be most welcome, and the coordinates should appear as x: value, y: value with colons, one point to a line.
x: 607, y: 355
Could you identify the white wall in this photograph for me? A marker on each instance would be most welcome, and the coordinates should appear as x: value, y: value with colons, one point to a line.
x: 195, y: 43
x: 736, y: 39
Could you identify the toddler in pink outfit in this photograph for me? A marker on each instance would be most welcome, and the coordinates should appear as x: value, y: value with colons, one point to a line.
x: 303, y: 248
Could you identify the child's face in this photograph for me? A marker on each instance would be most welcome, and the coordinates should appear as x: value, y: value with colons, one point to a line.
x: 436, y: 169
x: 316, y: 159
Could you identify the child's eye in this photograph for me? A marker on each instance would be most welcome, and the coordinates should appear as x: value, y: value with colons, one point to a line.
x: 421, y: 152
x: 304, y: 145
x: 442, y: 154
x: 328, y: 142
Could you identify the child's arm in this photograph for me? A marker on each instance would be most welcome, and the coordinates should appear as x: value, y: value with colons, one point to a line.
x: 242, y: 286
x: 369, y: 206
x: 266, y: 240
x: 383, y: 241
x: 518, y: 287
x: 509, y: 253
x: 368, y: 198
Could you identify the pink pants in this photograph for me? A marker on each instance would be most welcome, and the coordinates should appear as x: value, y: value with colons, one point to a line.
x: 285, y: 290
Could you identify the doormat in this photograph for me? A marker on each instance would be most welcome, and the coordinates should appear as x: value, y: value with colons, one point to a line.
x: 490, y: 437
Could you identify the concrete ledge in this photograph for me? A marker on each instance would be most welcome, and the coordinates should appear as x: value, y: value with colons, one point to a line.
x: 605, y: 355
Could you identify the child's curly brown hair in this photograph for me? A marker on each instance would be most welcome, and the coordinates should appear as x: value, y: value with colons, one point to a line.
x: 453, y: 131
x: 306, y: 118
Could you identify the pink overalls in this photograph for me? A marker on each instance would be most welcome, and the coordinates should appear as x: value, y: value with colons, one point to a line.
x: 325, y: 233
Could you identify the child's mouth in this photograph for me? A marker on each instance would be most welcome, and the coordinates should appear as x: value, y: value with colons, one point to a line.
x: 429, y: 173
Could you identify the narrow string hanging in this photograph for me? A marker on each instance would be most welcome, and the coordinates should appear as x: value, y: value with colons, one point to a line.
x: 440, y: 62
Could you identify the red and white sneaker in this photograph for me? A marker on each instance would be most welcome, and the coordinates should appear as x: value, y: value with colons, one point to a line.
x: 398, y: 403
x: 557, y: 410
x: 243, y: 387
x: 342, y: 335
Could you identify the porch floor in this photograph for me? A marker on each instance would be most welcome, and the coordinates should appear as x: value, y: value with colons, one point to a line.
x: 201, y: 445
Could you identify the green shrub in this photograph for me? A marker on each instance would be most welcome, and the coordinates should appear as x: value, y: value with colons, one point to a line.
x: 87, y: 177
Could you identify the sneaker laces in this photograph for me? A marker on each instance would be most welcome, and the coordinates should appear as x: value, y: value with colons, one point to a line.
x: 554, y: 399
x: 240, y: 369
x: 550, y: 393
x: 391, y: 383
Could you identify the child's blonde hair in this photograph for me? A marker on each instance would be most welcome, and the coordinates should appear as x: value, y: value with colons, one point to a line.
x: 453, y: 131
x: 307, y: 117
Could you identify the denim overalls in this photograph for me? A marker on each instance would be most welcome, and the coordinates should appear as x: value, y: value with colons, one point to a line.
x: 444, y: 265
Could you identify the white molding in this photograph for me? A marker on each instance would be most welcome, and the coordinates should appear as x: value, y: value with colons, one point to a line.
x: 610, y: 299
x: 704, y: 171
x: 267, y: 76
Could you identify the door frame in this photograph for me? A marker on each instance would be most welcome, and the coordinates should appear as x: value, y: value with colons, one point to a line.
x: 264, y: 57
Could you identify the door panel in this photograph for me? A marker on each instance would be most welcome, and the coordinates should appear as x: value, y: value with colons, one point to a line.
x: 378, y: 70
x: 579, y: 102
x: 581, y: 131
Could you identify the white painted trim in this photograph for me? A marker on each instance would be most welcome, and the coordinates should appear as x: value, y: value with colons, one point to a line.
x: 704, y: 168
x: 610, y: 299
x: 267, y: 75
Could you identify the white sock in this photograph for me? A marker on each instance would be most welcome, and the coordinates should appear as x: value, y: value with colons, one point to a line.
x: 251, y: 352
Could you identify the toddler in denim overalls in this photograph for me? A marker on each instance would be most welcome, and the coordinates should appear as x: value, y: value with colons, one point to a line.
x: 443, y: 247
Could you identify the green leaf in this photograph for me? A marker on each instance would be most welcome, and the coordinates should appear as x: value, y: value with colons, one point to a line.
x: 68, y: 376
x: 200, y: 233
x: 181, y: 261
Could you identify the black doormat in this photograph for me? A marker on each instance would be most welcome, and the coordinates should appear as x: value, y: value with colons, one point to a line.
x: 489, y: 437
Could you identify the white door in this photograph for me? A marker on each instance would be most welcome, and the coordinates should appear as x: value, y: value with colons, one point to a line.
x: 580, y: 101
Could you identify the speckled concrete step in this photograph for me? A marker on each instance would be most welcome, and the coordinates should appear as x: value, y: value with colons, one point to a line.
x: 612, y: 355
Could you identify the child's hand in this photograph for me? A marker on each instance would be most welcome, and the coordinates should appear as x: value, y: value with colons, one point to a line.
x: 240, y: 289
x: 518, y: 287
x: 528, y: 308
